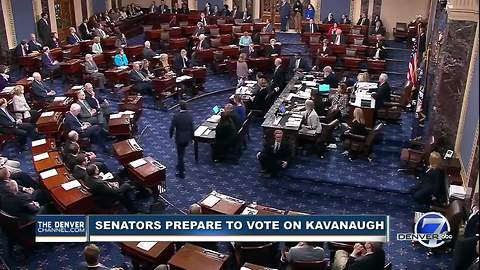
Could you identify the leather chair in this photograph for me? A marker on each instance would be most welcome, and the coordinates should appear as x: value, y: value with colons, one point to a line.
x: 390, y: 112
x: 362, y: 145
x: 261, y: 255
x: 400, y: 31
x: 216, y: 42
x: 331, y: 115
x: 214, y: 31
x: 414, y: 158
x: 219, y: 64
x: 325, y: 137
x: 17, y: 230
x: 310, y: 265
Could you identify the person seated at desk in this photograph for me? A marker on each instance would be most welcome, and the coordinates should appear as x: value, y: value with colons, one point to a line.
x: 202, y: 43
x: 357, y: 127
x: 279, y: 77
x: 225, y: 138
x: 272, y: 49
x: 310, y: 119
x: 123, y: 14
x: 240, y: 108
x: 73, y: 38
x: 245, y: 40
x: 242, y: 68
x: 363, y: 20
x: 34, y: 45
x: 84, y: 129
x: 199, y: 30
x: 340, y: 100
x: 163, y: 65
x: 268, y: 28
x: 184, y: 9
x: 256, y: 87
x: 91, y: 254
x: 21, y: 108
x: 298, y: 63
x: 379, y: 29
x: 22, y: 49
x: 235, y: 14
x: 163, y: 8
x: 84, y: 30
x: 311, y: 27
x: 325, y: 50
x: 80, y: 163
x: 10, y: 169
x: 432, y: 187
x: 329, y: 77
x: 338, y: 38
x: 48, y: 63
x: 99, y: 32
x: 107, y: 193
x: 303, y: 252
x: 310, y: 12
x: 10, y: 125
x: 54, y: 41
x: 120, y: 40
x: 246, y: 16
x: 275, y: 155
x: 330, y: 19
x: 345, y: 19
x: 377, y: 19
x: 148, y: 52
x: 92, y: 69
x: 120, y: 59
x: 40, y: 91
x: 181, y: 61
x: 146, y: 69
x: 383, y: 92
x: 368, y: 256
x: 4, y: 77
x: 250, y: 51
x: 225, y: 11
x: 333, y: 29
x: 97, y: 46
x: 18, y: 204
x: 89, y: 114
x: 379, y: 48
x: 142, y: 83
x: 203, y: 19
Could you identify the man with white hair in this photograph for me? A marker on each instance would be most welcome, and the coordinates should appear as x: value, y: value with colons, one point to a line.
x: 73, y: 38
x: 338, y: 38
x: 16, y: 203
x: 202, y: 43
x: 40, y: 91
x: 148, y: 53
x: 87, y: 113
x: 329, y: 77
x: 279, y: 76
x: 97, y: 103
x: 142, y: 83
x: 84, y: 129
x: 92, y: 69
x: 383, y: 92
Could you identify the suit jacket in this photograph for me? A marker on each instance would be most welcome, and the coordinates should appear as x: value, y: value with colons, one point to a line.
x: 3, y: 82
x: 18, y: 204
x: 342, y: 39
x: 120, y: 60
x: 346, y: 21
x: 163, y: 9
x: 327, y: 50
x: 204, y: 45
x: 260, y: 100
x: 312, y: 121
x: 99, y: 33
x: 365, y: 22
x: 284, y: 10
x: 246, y: 17
x: 40, y: 90
x: 279, y: 77
x: 35, y: 46
x: 73, y: 39
x: 178, y: 62
x: 91, y: 67
x: 331, y: 80
x: 44, y: 30
x: 54, y: 43
x: 85, y: 33
x: 5, y: 121
x: 308, y: 28
x: 367, y: 262
x: 20, y: 51
x: 47, y: 60
x: 268, y: 28
x: 85, y: 113
x: 302, y: 65
x: 282, y: 154
x: 225, y: 134
x: 97, y: 48
x: 72, y: 122
x: 379, y: 31
x: 136, y: 77
x: 94, y: 103
x: 148, y: 53
x: 182, y: 126
x: 199, y: 30
x: 84, y: 266
x: 269, y: 50
x: 331, y: 21
x: 382, y: 95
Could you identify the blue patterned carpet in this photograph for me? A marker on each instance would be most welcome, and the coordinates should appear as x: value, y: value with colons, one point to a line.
x: 333, y: 185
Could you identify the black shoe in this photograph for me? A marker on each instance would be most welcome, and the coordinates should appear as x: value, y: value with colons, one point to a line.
x: 180, y: 175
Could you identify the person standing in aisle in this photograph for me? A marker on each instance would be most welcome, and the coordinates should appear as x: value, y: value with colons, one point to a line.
x: 182, y: 126
x: 298, y: 11
x: 284, y: 11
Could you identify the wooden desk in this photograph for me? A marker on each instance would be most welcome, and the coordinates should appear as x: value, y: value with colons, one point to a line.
x: 191, y: 257
x: 225, y: 206
x: 120, y: 126
x: 164, y: 87
x: 230, y: 51
x: 199, y: 75
x: 108, y: 43
x: 48, y: 146
x: 225, y: 28
x: 73, y: 201
x: 57, y: 180
x: 72, y: 67
x: 127, y: 151
x: 30, y: 62
x: 57, y: 54
x: 252, y: 266
x: 264, y: 64
x: 116, y: 75
x: 131, y: 103
x: 152, y: 174
x: 176, y: 44
x: 265, y: 210
x: 85, y: 46
x: 134, y: 53
x: 73, y: 91
x: 49, y: 125
x: 72, y: 50
x: 158, y: 254
x: 205, y: 137
x: 60, y: 105
x: 26, y: 83
x: 53, y: 161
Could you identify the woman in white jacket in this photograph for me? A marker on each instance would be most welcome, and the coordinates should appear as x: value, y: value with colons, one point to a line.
x: 21, y: 108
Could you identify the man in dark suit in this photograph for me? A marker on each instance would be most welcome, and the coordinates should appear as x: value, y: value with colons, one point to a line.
x: 34, y: 45
x: 48, y: 63
x: 378, y: 29
x: 345, y: 19
x: 80, y: 163
x: 18, y: 204
x: 297, y: 63
x: 84, y: 30
x: 383, y: 92
x: 284, y: 12
x: 22, y: 49
x: 279, y: 76
x: 203, y: 19
x: 338, y: 38
x: 200, y: 30
x: 43, y: 28
x: 96, y: 102
x: 148, y: 52
x: 268, y: 28
x: 329, y: 77
x: 142, y: 83
x: 163, y: 8
x: 40, y: 91
x: 246, y: 16
x: 311, y: 27
x: 272, y: 49
x: 181, y: 61
x: 182, y: 126
x: 8, y: 125
x: 250, y: 51
x: 275, y: 155
x: 73, y: 38
x: 363, y: 20
x: 366, y: 257
x: 91, y: 254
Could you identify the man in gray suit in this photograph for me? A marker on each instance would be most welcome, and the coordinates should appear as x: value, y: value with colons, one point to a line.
x: 92, y: 69
x: 182, y: 126
x: 303, y: 252
x: 87, y: 113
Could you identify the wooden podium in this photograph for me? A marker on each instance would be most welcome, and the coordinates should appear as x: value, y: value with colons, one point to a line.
x: 49, y: 123
x: 150, y: 174
x: 120, y: 126
x: 52, y: 161
x: 73, y: 201
x: 127, y: 151
x: 225, y: 205
x: 131, y: 103
x: 191, y: 257
x: 60, y: 104
x: 160, y: 253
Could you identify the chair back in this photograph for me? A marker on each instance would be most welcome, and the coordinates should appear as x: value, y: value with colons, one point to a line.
x: 355, y: 31
x: 261, y: 255
x: 401, y: 27
x: 221, y: 21
x: 315, y: 38
x: 358, y: 41
x: 327, y: 131
x: 164, y: 36
x: 214, y: 31
x: 351, y: 52
x: 372, y: 135
x: 164, y: 26
x: 237, y: 29
x: 310, y: 265
x: 183, y: 23
x: 216, y: 42
x: 264, y: 39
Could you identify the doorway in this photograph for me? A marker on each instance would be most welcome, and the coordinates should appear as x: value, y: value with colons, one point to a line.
x: 65, y: 17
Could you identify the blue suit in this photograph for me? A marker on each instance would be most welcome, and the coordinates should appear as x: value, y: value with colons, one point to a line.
x: 284, y: 15
x: 39, y: 91
x: 71, y: 122
x: 73, y: 39
x: 47, y: 62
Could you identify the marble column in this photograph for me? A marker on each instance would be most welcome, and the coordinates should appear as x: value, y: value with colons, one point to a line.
x: 451, y: 72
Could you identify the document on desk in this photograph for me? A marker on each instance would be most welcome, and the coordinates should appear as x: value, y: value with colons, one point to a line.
x: 115, y: 116
x: 200, y: 130
x: 41, y: 156
x: 309, y: 83
x: 210, y: 201
x: 39, y: 142
x: 146, y: 245
x: 58, y: 99
x: 30, y: 79
x: 106, y: 176
x: 214, y: 118
x: 134, y: 144
x: 71, y: 185
x: 457, y: 192
x: 47, y: 114
x: 137, y: 163
x: 249, y: 211
x: 46, y: 174
x: 182, y: 78
x: 8, y: 89
x: 245, y: 268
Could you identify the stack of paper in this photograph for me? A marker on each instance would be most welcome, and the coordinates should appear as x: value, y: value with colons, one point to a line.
x: 249, y: 211
x: 47, y: 114
x: 210, y: 201
x: 8, y: 89
x: 146, y: 245
x: 30, y: 79
x: 106, y: 176
x: 137, y: 163
x: 214, y: 118
x: 77, y: 87
x: 41, y: 156
x: 115, y: 116
x: 457, y: 192
x: 58, y: 99
x: 46, y: 174
x: 71, y: 184
x: 200, y: 130
x: 134, y: 144
x: 293, y: 122
x: 39, y: 142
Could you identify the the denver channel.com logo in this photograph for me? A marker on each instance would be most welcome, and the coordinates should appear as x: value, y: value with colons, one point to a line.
x: 431, y: 230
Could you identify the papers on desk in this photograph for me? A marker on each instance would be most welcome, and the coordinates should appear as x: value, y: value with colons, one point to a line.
x: 297, y: 115
x: 30, y: 79
x: 137, y: 163
x: 118, y: 85
x: 46, y: 174
x: 214, y: 118
x: 47, y: 114
x: 250, y: 82
x: 134, y: 144
x: 8, y: 89
x: 210, y: 201
x: 58, y: 99
x: 277, y: 120
x: 122, y: 67
x: 233, y: 46
x: 243, y: 90
x: 457, y: 192
x: 249, y: 211
x: 156, y: 57
x: 115, y: 116
x: 200, y: 130
x: 293, y: 122
x: 77, y: 87
x: 307, y: 131
x: 127, y: 112
x: 71, y: 185
x: 182, y: 78
x: 39, y: 142
x: 245, y: 268
x: 146, y: 245
x: 41, y: 156
x: 366, y: 85
x: 309, y: 76
x: 309, y: 83
x: 106, y: 176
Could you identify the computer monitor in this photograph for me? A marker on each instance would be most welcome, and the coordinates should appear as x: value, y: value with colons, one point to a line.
x: 322, y: 88
x: 216, y: 109
x: 282, y: 109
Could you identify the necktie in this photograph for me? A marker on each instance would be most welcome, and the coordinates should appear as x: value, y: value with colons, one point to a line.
x: 87, y: 106
x: 275, y: 149
x: 338, y: 40
x: 184, y: 65
x: 141, y: 75
x: 297, y: 64
x: 363, y: 20
x: 23, y: 51
x: 8, y: 115
x: 311, y: 28
x: 76, y: 37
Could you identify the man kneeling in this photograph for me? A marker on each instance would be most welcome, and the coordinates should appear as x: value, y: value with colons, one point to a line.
x: 275, y: 155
